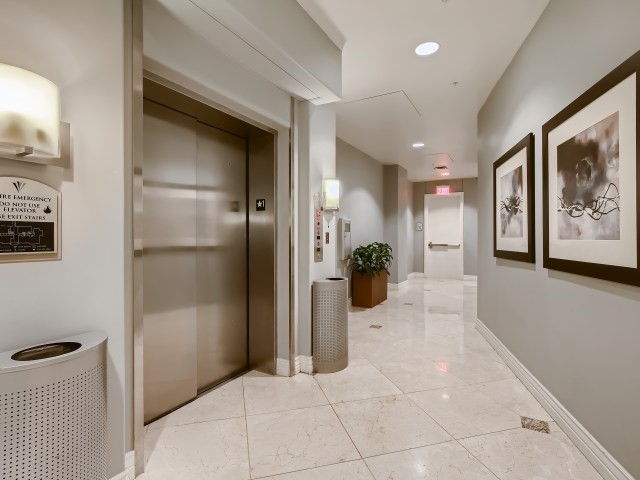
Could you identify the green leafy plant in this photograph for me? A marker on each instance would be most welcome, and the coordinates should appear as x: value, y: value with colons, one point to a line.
x: 371, y: 259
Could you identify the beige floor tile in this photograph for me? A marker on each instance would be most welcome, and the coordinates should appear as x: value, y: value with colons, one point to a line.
x: 342, y: 471
x: 204, y: 451
x: 464, y: 411
x: 524, y: 455
x: 475, y: 367
x: 388, y: 424
x: 356, y: 383
x: 275, y: 394
x: 418, y: 376
x: 445, y: 461
x: 514, y: 395
x: 297, y: 439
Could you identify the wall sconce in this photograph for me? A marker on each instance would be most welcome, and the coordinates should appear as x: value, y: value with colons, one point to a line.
x: 30, y: 126
x: 331, y: 192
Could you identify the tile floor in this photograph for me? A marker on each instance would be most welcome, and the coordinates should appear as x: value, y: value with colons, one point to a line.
x: 425, y: 398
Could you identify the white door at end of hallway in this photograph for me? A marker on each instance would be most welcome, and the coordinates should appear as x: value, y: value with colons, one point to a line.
x: 443, y: 236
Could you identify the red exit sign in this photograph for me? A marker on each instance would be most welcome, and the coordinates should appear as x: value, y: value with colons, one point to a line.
x: 443, y: 190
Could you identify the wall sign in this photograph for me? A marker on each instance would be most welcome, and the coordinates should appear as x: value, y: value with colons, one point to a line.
x: 261, y: 205
x: 29, y: 220
x: 443, y: 190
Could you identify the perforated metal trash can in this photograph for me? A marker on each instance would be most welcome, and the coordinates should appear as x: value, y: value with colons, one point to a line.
x: 330, y: 325
x: 53, y: 410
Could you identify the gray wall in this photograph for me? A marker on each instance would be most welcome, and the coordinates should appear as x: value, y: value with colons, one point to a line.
x: 361, y: 198
x: 470, y: 245
x: 577, y: 335
x: 398, y: 220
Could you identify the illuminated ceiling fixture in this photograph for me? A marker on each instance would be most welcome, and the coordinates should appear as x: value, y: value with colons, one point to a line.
x: 30, y: 127
x: 418, y: 145
x: 427, y: 48
x: 445, y: 174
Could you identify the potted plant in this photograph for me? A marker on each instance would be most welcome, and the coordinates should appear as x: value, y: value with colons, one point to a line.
x: 370, y: 269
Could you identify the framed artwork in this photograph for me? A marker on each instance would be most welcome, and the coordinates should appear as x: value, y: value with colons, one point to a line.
x: 513, y: 201
x: 590, y: 181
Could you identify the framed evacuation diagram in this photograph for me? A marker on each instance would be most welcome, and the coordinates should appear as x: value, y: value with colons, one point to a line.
x: 513, y: 201
x: 590, y: 181
x: 29, y: 220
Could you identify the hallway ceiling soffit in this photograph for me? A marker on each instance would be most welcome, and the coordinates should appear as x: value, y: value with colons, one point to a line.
x: 382, y: 74
x: 221, y: 22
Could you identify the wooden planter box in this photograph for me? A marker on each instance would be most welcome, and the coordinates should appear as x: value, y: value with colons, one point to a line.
x: 369, y: 291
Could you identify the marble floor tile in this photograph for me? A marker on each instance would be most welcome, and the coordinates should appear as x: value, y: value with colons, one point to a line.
x: 524, y: 455
x: 204, y: 451
x: 464, y: 411
x: 473, y: 341
x: 222, y: 402
x: 356, y: 470
x: 475, y: 367
x: 514, y: 395
x: 418, y: 376
x: 388, y: 424
x: 276, y: 394
x: 297, y: 439
x: 428, y: 348
x: 355, y: 383
x: 444, y: 461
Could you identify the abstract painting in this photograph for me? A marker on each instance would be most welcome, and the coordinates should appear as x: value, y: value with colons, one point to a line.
x: 590, y: 174
x: 588, y: 177
x: 511, y: 205
x: 513, y: 199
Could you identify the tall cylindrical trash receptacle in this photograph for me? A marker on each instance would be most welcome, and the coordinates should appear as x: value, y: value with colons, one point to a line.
x: 53, y: 410
x: 330, y: 325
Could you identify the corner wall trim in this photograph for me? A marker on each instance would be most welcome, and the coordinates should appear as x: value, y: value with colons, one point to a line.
x: 129, y: 467
x: 304, y: 364
x: 600, y: 458
x: 282, y: 367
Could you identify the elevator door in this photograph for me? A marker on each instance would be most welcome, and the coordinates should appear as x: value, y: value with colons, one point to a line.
x: 222, y: 255
x: 194, y: 258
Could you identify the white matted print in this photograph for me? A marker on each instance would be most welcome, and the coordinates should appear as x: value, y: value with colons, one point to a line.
x: 592, y: 181
x: 513, y: 201
x: 511, y: 196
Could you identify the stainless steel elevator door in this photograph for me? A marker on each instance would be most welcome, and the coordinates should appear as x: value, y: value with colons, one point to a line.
x: 169, y: 259
x: 222, y: 314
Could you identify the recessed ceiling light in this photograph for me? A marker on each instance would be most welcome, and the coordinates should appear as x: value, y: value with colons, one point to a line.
x: 445, y: 174
x: 418, y: 145
x: 428, y: 48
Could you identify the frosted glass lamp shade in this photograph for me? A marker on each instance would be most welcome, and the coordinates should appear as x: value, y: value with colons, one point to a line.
x: 29, y: 113
x: 331, y: 190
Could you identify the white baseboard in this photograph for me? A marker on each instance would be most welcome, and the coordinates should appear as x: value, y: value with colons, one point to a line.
x: 394, y: 287
x: 282, y: 367
x: 603, y: 461
x: 416, y: 275
x: 122, y: 476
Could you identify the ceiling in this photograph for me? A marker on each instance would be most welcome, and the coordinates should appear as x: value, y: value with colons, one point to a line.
x: 393, y: 98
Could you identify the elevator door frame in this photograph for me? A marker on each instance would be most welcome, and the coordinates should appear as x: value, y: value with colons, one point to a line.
x: 260, y: 255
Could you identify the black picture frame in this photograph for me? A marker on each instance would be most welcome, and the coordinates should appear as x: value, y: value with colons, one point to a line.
x: 620, y: 80
x: 501, y: 251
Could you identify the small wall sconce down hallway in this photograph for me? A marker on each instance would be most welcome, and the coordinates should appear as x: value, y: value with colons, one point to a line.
x: 30, y: 126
